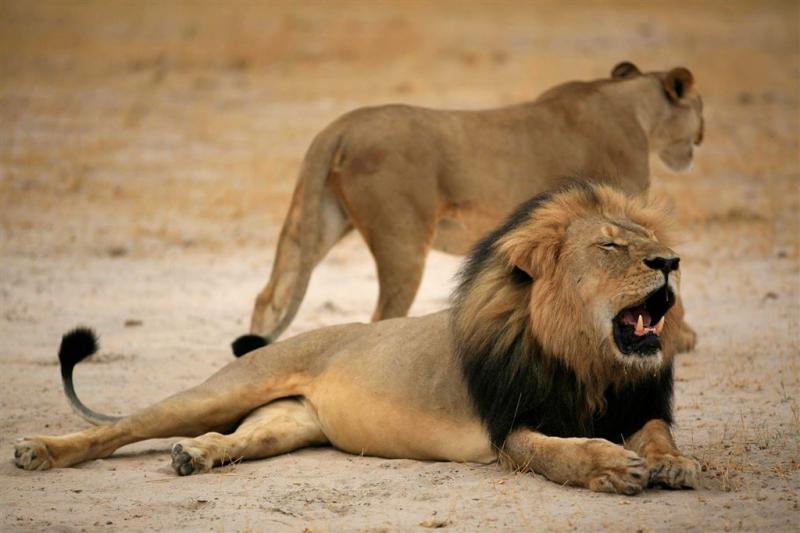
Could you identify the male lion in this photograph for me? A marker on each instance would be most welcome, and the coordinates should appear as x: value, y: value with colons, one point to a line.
x: 556, y: 358
x: 410, y: 178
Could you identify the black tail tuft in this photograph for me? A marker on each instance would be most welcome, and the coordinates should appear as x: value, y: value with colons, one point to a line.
x: 76, y: 346
x: 248, y: 343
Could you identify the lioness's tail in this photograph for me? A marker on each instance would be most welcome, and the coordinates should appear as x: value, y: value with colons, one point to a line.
x: 315, y: 222
x: 76, y: 346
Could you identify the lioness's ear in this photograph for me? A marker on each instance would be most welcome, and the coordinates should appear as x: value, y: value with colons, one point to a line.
x: 626, y: 69
x: 677, y: 83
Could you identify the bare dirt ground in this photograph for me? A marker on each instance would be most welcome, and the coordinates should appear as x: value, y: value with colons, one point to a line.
x: 147, y: 157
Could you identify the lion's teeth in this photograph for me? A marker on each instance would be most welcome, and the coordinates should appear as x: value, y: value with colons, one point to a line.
x: 660, y: 326
x: 639, y: 326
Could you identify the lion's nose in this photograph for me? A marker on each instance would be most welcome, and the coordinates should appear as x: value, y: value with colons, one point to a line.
x: 664, y: 264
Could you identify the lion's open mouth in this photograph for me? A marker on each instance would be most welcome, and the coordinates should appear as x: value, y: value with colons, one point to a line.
x: 637, y: 328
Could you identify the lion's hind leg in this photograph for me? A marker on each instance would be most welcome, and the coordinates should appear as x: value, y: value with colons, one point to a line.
x: 278, y: 427
x: 191, y: 412
x: 595, y: 464
x: 215, y: 405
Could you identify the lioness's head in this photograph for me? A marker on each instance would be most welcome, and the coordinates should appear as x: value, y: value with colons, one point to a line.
x: 585, y: 275
x: 676, y: 114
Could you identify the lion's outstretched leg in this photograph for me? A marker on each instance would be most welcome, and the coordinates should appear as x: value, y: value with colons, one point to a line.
x: 276, y: 428
x: 596, y: 464
x: 216, y: 405
x: 183, y: 414
x: 666, y: 464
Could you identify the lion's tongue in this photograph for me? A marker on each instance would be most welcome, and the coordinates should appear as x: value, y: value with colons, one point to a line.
x: 630, y: 316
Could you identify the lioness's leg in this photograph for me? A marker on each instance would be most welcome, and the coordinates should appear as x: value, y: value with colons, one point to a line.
x: 596, y: 464
x: 393, y: 200
x: 685, y: 339
x: 279, y: 300
x: 400, y: 248
x: 399, y: 277
x: 276, y: 428
x: 667, y: 465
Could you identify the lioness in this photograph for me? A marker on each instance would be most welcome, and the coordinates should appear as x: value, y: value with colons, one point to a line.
x: 556, y: 358
x: 410, y: 178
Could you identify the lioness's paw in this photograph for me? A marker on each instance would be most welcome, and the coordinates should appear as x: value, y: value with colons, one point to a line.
x: 615, y: 469
x: 674, y: 471
x: 188, y: 459
x: 32, y: 454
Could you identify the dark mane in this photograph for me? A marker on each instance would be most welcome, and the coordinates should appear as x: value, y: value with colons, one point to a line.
x: 511, y: 380
x: 483, y: 250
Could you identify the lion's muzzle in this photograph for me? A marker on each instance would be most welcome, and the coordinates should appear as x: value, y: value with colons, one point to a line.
x: 637, y: 329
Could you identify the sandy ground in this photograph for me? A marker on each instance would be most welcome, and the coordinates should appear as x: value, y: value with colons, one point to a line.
x: 147, y: 155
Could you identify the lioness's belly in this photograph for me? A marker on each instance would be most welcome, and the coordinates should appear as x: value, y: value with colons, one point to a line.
x: 361, y: 422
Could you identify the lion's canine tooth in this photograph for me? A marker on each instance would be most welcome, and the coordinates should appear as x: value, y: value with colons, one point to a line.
x: 639, y: 326
x: 660, y: 326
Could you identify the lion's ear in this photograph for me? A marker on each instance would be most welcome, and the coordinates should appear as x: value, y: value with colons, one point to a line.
x: 623, y: 70
x: 534, y: 252
x: 517, y: 251
x: 677, y: 83
x: 523, y: 263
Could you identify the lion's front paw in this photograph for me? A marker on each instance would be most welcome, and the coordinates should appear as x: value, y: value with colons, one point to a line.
x: 674, y: 471
x: 615, y: 469
x: 32, y: 454
x: 188, y: 459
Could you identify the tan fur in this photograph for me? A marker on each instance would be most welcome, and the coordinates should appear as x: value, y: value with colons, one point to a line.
x: 596, y: 464
x: 410, y: 179
x: 396, y: 388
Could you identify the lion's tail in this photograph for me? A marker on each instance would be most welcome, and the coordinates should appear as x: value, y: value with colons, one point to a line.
x: 304, y: 238
x: 76, y: 346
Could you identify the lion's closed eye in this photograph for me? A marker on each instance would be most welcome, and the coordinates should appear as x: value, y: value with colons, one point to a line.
x: 611, y: 245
